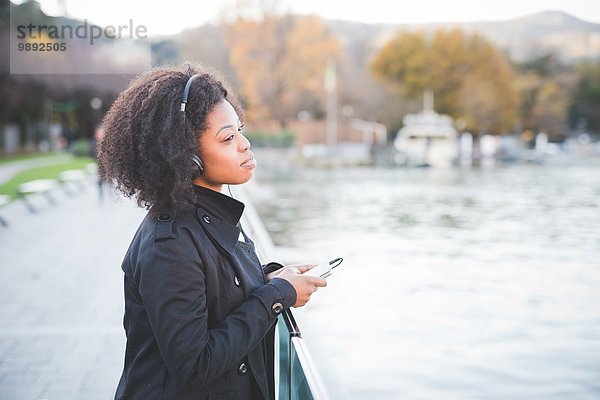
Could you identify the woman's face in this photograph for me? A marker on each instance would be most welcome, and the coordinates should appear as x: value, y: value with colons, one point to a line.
x: 224, y: 150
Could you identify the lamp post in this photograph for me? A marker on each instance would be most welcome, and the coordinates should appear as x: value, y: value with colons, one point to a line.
x: 330, y: 90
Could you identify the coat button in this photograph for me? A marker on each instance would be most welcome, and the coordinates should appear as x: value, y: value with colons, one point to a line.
x: 206, y: 219
x: 277, y: 308
x: 242, y: 369
x: 236, y: 280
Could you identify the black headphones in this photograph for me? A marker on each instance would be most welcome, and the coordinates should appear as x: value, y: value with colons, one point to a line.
x: 186, y: 92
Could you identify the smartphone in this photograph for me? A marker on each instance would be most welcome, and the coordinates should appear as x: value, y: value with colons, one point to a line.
x: 325, y: 268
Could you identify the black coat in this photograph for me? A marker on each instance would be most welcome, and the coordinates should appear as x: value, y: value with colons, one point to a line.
x: 199, y: 315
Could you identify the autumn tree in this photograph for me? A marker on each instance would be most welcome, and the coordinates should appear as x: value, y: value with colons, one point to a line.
x: 471, y: 79
x: 280, y: 62
x: 545, y: 88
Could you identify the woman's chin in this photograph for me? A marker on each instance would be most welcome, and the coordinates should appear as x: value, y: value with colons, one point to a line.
x: 242, y: 179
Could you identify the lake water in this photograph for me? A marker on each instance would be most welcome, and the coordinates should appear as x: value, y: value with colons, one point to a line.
x: 456, y: 284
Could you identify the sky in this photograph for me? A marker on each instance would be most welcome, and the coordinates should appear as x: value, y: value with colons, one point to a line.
x: 176, y: 15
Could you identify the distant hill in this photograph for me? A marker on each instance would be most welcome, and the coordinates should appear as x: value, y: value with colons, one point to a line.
x: 570, y: 38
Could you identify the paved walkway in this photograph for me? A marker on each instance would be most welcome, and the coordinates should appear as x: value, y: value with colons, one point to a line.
x: 61, y: 301
x: 61, y: 296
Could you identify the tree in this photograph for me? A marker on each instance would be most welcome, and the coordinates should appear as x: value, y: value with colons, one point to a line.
x: 545, y: 88
x: 471, y: 79
x: 585, y: 110
x: 280, y: 62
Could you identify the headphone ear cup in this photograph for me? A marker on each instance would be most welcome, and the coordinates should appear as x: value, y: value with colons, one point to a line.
x: 196, y: 160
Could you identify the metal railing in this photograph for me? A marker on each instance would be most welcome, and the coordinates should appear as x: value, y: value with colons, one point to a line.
x: 296, y: 377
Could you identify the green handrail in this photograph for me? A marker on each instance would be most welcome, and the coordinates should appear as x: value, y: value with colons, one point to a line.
x: 296, y: 377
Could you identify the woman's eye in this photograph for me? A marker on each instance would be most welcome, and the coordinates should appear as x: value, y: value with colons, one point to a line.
x: 241, y: 129
x: 229, y: 138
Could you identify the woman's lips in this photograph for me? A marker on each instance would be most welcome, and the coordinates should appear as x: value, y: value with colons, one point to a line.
x: 249, y: 163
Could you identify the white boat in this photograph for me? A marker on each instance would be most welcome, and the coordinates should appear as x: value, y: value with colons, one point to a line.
x: 427, y: 138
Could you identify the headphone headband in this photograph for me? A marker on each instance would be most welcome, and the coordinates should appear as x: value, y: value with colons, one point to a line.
x: 186, y: 92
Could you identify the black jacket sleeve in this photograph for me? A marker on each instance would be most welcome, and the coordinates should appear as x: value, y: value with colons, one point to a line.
x: 271, y: 267
x: 172, y: 286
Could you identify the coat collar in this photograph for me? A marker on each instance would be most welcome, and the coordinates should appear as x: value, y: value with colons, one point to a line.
x: 219, y: 215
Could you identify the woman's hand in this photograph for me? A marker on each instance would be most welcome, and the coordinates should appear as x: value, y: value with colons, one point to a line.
x: 301, y: 267
x: 304, y: 285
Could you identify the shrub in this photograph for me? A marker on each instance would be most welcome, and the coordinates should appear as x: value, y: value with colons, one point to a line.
x: 284, y: 138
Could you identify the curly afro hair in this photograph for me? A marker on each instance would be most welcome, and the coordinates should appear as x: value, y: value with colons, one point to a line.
x: 148, y: 142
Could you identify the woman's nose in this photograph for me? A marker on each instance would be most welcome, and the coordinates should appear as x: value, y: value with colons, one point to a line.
x: 244, y: 143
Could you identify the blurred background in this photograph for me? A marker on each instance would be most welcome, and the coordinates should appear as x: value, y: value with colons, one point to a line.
x: 449, y: 152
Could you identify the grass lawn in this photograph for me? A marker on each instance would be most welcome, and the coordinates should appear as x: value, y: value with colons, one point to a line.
x: 29, y: 156
x: 47, y: 172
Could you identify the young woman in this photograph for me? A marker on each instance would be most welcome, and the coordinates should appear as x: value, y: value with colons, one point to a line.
x: 199, y: 308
